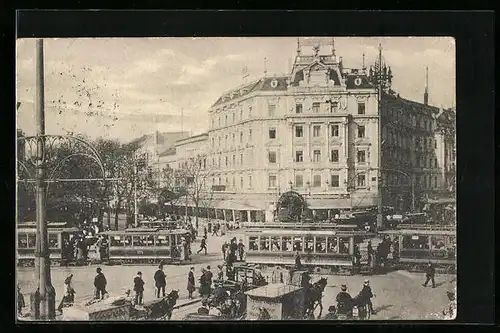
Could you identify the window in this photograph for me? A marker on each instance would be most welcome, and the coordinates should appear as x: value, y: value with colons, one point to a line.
x: 234, y: 117
x: 241, y: 159
x: 272, y: 133
x: 270, y: 109
x: 299, y: 131
x: 334, y: 181
x: 241, y: 114
x: 316, y: 180
x: 253, y: 244
x: 272, y: 157
x: 227, y: 161
x: 361, y: 131
x: 299, y: 180
x: 361, y: 181
x: 264, y: 243
x: 298, y: 108
x: 249, y: 112
x: 344, y: 244
x: 361, y: 108
x: 416, y: 242
x: 162, y: 241
x: 219, y: 121
x: 272, y: 181
x: 333, y: 245
x: 22, y: 241
x: 334, y: 106
x: 298, y: 243
x: 361, y: 156
x: 299, y: 156
x: 435, y: 182
x: 320, y: 244
x: 226, y: 119
x: 213, y: 142
x: 53, y: 241
x: 316, y: 130
x: 286, y: 243
x: 219, y: 141
x: 241, y: 137
x: 317, y: 156
x: 315, y: 107
x: 334, y: 156
x: 234, y: 160
x: 275, y: 244
x: 234, y: 138
x: 241, y: 182
x: 233, y: 181
x: 309, y: 244
x: 250, y: 135
x: 225, y: 140
x: 335, y: 130
x: 115, y: 241
x: 250, y: 181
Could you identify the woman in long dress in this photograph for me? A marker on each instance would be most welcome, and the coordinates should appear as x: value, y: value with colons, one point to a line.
x: 191, y: 283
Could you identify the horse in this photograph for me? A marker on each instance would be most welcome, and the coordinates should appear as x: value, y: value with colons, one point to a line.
x: 163, y: 308
x: 361, y: 303
x: 314, y: 294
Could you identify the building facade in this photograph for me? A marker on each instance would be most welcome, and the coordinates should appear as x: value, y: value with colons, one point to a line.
x: 325, y: 132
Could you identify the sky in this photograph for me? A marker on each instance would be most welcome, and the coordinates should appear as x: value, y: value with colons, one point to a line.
x: 124, y: 88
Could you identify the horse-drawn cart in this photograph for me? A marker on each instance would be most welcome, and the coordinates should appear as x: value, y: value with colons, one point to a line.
x: 279, y: 301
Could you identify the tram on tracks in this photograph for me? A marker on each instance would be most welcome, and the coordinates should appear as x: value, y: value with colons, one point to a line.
x: 59, y: 234
x: 323, y: 247
x: 419, y: 244
x: 144, y: 245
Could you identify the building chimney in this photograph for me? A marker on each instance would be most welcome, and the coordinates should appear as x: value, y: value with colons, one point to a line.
x: 426, y: 92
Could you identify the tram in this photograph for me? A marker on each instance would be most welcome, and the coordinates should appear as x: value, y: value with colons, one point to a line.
x: 325, y: 249
x: 419, y: 244
x: 144, y: 245
x: 58, y: 236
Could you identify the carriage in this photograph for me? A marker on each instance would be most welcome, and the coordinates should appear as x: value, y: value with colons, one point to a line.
x: 59, y: 235
x: 144, y: 245
x: 325, y: 249
x: 419, y: 244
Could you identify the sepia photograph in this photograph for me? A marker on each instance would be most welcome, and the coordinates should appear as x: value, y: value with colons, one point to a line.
x: 236, y: 179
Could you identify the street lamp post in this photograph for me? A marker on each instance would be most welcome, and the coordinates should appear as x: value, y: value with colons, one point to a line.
x: 136, y: 223
x: 45, y: 293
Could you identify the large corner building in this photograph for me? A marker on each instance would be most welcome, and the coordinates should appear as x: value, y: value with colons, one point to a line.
x: 326, y: 132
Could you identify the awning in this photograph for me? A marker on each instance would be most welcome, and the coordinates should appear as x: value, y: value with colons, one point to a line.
x: 339, y: 203
x: 219, y: 204
x: 442, y: 201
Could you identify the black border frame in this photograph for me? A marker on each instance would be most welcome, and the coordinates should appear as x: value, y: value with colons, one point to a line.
x: 474, y: 33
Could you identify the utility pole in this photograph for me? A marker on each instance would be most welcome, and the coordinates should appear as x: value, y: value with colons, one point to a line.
x: 379, y: 124
x: 45, y: 294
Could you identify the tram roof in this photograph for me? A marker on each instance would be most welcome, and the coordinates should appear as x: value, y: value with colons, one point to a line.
x: 32, y: 224
x: 324, y: 232
x: 32, y: 230
x: 428, y: 232
x: 301, y: 226
x: 142, y: 231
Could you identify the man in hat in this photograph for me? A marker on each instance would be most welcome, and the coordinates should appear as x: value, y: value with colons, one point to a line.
x: 191, y: 283
x: 224, y: 248
x: 366, y: 295
x: 160, y: 281
x: 209, y: 276
x: 430, y: 272
x: 298, y: 263
x: 100, y: 284
x: 332, y: 313
x: 220, y: 273
x: 203, y: 245
x: 138, y: 288
x: 344, y: 302
x: 241, y: 249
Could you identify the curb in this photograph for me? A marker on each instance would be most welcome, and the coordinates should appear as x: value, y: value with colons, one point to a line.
x: 189, y: 302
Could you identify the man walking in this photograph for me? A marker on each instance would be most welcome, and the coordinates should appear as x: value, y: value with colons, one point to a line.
x: 367, y: 294
x: 241, y: 249
x: 138, y: 288
x: 203, y: 245
x: 68, y: 294
x: 160, y: 281
x: 224, y: 250
x: 429, y: 275
x: 100, y: 284
x: 191, y: 283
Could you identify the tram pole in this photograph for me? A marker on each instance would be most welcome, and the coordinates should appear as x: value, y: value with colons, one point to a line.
x: 45, y: 293
x: 379, y: 125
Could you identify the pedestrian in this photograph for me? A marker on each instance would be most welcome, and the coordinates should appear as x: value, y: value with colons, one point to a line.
x: 138, y: 288
x: 367, y: 294
x: 298, y: 263
x: 203, y: 245
x: 100, y: 284
x: 357, y: 255
x: 68, y: 293
x: 430, y: 272
x: 332, y: 313
x: 369, y: 250
x: 160, y: 281
x: 204, y: 283
x: 225, y: 246
x: 205, y: 231
x: 220, y: 274
x: 209, y: 277
x: 20, y: 301
x: 190, y: 283
x: 344, y: 302
x: 214, y: 230
x: 241, y: 249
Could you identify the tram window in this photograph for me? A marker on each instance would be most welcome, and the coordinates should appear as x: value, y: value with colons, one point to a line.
x: 438, y: 243
x: 252, y: 244
x: 31, y: 240
x: 297, y: 244
x: 275, y: 244
x: 22, y: 241
x: 116, y: 241
x: 53, y: 241
x: 452, y: 242
x: 320, y: 245
x: 416, y: 242
x: 150, y: 240
x: 286, y: 243
x: 264, y: 243
x: 333, y: 245
x: 140, y: 240
x: 309, y: 244
x: 162, y: 241
x: 344, y: 245
x: 127, y: 241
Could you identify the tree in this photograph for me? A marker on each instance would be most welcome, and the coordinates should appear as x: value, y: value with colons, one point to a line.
x: 196, y: 174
